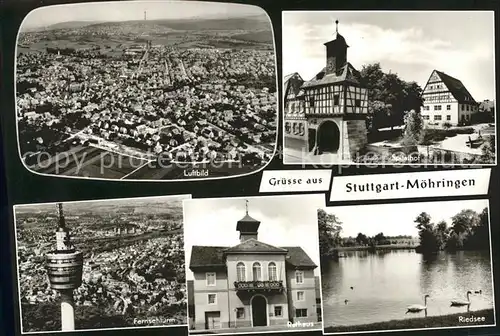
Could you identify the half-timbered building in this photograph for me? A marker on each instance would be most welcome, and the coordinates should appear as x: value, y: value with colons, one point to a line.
x: 335, y: 106
x: 447, y: 100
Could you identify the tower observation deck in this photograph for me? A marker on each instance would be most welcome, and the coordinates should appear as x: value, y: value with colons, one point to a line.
x: 64, y: 267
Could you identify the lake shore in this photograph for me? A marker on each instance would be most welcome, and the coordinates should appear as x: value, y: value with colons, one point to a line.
x: 444, y: 321
x: 377, y: 247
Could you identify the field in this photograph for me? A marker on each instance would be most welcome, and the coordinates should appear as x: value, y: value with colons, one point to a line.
x: 89, y: 162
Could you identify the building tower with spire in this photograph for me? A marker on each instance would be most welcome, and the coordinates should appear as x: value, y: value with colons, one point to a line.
x: 64, y: 267
x: 334, y: 106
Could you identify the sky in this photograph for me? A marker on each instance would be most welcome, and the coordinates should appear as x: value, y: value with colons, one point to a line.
x: 285, y: 221
x: 134, y: 10
x: 411, y: 44
x: 397, y: 219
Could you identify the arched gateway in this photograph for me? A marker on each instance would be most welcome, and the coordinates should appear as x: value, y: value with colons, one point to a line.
x: 328, y: 137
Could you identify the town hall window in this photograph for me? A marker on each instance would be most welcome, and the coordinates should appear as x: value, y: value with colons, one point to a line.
x: 301, y: 312
x: 336, y: 99
x: 299, y: 277
x: 448, y: 107
x: 240, y: 313
x: 448, y: 117
x: 212, y: 299
x: 311, y: 101
x: 300, y: 296
x: 357, y: 103
x: 241, y: 272
x: 271, y: 270
x: 437, y: 117
x: 257, y: 271
x: 278, y: 311
x: 210, y: 279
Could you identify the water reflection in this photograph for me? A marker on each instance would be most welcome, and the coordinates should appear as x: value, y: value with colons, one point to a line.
x: 386, y: 282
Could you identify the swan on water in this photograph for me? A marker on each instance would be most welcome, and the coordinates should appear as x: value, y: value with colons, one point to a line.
x: 478, y: 292
x: 461, y: 302
x: 418, y: 307
x: 352, y: 287
x: 346, y: 301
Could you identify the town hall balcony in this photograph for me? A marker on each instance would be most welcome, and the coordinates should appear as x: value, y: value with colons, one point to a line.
x: 259, y: 286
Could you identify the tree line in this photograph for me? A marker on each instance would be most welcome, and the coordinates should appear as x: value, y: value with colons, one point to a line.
x: 468, y: 230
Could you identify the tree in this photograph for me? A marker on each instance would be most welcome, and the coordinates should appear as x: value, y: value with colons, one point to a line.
x: 464, y: 221
x: 428, y: 239
x: 441, y: 234
x: 380, y: 239
x: 361, y: 239
x: 389, y: 95
x: 329, y: 228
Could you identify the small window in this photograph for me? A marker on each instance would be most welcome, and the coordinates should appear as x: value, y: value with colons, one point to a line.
x: 210, y: 279
x: 437, y: 117
x: 299, y: 277
x: 468, y: 108
x: 463, y: 107
x: 278, y: 311
x: 300, y: 296
x: 336, y: 99
x: 311, y: 102
x: 448, y: 117
x: 357, y: 102
x: 240, y: 313
x: 212, y: 299
x: 300, y: 312
x: 448, y: 107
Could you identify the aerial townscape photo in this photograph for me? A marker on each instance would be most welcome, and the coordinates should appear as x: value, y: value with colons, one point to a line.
x: 412, y: 87
x: 93, y: 265
x: 146, y: 90
x: 406, y: 266
x: 252, y: 264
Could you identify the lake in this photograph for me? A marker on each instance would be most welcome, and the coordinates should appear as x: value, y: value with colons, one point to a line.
x: 386, y: 282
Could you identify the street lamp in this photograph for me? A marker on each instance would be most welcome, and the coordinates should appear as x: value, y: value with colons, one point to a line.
x: 64, y: 267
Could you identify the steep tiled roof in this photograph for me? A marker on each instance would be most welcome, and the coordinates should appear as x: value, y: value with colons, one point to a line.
x: 348, y: 73
x: 254, y: 246
x: 297, y: 257
x: 203, y: 256
x: 456, y: 88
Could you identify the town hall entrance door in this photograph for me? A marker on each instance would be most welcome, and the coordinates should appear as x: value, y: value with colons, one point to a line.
x: 328, y: 137
x: 259, y: 311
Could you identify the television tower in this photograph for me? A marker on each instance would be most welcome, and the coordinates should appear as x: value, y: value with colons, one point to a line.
x: 145, y: 16
x: 64, y: 267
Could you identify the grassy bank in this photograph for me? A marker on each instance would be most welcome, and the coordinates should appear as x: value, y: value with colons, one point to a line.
x: 377, y: 247
x: 451, y: 320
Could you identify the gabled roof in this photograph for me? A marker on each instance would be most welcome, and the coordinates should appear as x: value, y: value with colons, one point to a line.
x: 348, y: 73
x: 455, y: 86
x: 254, y: 246
x: 292, y: 83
